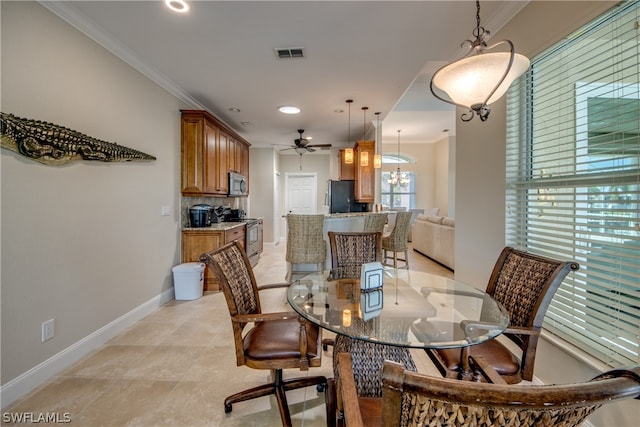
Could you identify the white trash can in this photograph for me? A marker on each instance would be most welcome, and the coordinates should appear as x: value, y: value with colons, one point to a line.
x: 188, y: 280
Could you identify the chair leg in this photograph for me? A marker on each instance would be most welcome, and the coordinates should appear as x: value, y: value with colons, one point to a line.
x: 287, y: 276
x: 278, y: 387
x: 281, y: 397
x: 330, y: 402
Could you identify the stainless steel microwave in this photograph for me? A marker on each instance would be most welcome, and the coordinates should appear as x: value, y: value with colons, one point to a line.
x: 237, y: 184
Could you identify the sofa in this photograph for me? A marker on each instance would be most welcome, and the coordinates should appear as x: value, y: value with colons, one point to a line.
x: 434, y: 236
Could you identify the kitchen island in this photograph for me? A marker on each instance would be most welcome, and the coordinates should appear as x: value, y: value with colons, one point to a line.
x: 343, y: 222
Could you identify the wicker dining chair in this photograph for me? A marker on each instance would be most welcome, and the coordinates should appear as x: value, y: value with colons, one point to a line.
x: 305, y: 242
x: 273, y: 341
x: 374, y: 222
x: 411, y: 399
x: 349, y: 250
x: 397, y: 240
x: 524, y: 284
x: 366, y: 360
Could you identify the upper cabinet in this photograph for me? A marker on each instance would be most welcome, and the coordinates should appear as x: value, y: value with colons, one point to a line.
x: 209, y: 151
x: 365, y: 186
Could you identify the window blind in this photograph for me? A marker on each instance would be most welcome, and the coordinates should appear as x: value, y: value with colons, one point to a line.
x: 573, y: 180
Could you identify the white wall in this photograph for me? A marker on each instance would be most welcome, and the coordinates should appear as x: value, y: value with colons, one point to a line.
x: 480, y: 182
x: 83, y: 243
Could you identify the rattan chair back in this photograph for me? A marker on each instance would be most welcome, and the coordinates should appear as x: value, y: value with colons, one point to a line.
x: 375, y: 222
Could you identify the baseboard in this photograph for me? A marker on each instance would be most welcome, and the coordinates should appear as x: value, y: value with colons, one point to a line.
x: 39, y: 374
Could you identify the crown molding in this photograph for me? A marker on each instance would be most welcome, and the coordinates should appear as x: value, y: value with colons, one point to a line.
x: 68, y: 13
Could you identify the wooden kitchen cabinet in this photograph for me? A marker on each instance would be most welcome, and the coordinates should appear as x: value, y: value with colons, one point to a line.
x: 238, y: 157
x: 365, y: 175
x: 209, y: 151
x: 221, y: 163
x: 346, y: 171
x: 197, y: 242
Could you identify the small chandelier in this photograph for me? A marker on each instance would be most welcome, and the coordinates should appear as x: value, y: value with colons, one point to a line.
x: 397, y: 177
x: 478, y: 78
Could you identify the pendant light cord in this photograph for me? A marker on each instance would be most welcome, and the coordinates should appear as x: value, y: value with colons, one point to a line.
x: 398, y: 158
x: 349, y: 101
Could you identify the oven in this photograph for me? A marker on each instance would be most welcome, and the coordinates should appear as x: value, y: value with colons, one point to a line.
x: 252, y: 240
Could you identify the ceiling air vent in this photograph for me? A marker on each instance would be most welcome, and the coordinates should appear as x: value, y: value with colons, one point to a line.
x: 290, y: 53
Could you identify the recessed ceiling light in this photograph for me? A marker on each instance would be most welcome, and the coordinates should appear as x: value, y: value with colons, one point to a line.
x: 288, y: 109
x: 179, y: 6
x: 338, y: 110
x: 249, y: 124
x: 234, y: 109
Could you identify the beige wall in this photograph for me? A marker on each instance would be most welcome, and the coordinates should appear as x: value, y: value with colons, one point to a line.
x: 433, y: 169
x: 262, y: 197
x: 83, y: 243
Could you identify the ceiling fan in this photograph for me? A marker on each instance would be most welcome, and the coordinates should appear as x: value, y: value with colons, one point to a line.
x: 301, y: 145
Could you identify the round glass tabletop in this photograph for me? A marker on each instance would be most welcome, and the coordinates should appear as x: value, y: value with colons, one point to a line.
x: 409, y: 309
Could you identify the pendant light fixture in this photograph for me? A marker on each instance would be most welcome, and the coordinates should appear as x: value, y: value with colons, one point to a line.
x: 364, y: 155
x: 479, y: 78
x: 348, y: 152
x: 377, y: 158
x: 397, y: 177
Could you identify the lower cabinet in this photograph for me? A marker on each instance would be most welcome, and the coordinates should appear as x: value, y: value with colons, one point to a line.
x: 197, y: 242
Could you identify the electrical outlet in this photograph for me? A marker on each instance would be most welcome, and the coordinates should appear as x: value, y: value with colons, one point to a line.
x: 165, y: 210
x: 48, y: 329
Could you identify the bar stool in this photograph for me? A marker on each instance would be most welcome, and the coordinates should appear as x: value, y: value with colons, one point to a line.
x: 305, y: 242
x: 397, y: 240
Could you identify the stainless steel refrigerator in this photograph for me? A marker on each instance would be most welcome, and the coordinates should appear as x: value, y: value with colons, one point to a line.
x: 341, y: 197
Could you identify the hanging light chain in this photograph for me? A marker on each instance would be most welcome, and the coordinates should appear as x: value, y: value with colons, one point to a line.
x: 364, y: 124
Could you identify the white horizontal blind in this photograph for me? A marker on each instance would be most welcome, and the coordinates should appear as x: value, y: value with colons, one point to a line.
x: 573, y: 180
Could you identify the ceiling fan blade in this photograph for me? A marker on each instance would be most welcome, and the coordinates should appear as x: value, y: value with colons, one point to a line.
x: 309, y: 149
x: 320, y: 145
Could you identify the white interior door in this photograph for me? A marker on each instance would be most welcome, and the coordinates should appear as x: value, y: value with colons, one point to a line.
x: 301, y: 193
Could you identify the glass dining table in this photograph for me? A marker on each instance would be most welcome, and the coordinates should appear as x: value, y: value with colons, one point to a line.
x: 405, y: 308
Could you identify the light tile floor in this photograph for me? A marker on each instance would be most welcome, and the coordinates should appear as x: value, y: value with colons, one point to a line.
x: 176, y: 366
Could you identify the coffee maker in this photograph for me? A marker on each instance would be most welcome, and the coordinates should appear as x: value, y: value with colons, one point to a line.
x: 200, y: 215
x: 235, y: 215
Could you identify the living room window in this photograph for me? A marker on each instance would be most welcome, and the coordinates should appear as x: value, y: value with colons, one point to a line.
x: 398, y: 196
x: 573, y: 180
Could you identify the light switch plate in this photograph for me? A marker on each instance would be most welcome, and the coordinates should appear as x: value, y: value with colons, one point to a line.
x: 48, y: 330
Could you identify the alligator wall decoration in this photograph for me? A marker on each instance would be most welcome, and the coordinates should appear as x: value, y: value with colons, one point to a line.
x: 56, y: 145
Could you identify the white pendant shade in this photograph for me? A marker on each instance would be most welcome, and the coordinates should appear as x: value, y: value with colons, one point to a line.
x: 469, y: 81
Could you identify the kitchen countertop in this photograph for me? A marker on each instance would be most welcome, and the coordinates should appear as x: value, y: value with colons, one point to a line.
x: 350, y: 214
x: 219, y: 226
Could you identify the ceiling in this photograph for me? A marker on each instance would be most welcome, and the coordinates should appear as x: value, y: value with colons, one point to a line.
x: 221, y: 56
